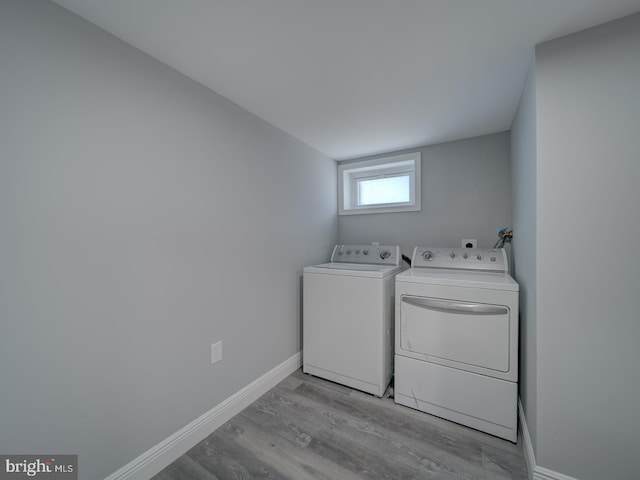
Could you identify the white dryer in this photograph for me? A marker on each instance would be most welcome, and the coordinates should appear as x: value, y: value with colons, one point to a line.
x: 348, y: 310
x: 456, y: 344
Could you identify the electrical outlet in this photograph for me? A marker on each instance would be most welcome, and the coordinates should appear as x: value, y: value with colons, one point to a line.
x: 216, y: 352
x: 469, y: 243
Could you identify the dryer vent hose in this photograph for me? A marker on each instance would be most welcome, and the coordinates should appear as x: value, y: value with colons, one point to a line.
x: 506, y: 234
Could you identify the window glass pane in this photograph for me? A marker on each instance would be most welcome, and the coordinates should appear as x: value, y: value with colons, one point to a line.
x: 384, y: 190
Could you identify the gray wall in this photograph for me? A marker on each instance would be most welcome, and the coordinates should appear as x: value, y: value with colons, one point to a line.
x: 588, y: 108
x: 523, y: 171
x: 586, y: 266
x: 466, y: 193
x: 143, y: 217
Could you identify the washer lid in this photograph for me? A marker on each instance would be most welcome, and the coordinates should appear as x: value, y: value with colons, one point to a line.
x: 459, y: 278
x: 354, y: 269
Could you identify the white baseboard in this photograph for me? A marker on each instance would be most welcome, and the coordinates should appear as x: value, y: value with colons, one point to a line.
x: 529, y: 455
x: 535, y: 472
x: 541, y: 473
x: 156, y: 458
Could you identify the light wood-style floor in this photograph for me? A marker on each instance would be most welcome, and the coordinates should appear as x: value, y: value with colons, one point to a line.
x: 309, y: 428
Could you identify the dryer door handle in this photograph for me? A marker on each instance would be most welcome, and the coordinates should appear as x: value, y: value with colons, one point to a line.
x: 455, y: 307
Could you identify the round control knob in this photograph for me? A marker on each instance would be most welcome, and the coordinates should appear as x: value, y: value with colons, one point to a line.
x: 493, y: 259
x: 479, y: 257
x: 348, y: 252
x: 452, y: 255
x: 428, y: 255
x: 465, y: 255
x: 357, y: 252
x: 365, y: 252
x: 339, y: 252
x: 384, y: 255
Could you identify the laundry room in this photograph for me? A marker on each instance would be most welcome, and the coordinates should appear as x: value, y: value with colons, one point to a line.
x: 168, y: 170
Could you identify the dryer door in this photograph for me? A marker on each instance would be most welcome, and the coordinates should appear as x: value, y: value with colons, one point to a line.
x: 455, y: 333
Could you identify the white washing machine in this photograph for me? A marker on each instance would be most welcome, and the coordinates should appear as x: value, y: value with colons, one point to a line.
x: 348, y: 310
x: 456, y: 343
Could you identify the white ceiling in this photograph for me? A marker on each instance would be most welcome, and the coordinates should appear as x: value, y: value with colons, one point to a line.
x: 356, y: 77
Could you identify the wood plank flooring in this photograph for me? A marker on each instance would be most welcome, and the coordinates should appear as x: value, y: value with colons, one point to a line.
x: 308, y: 428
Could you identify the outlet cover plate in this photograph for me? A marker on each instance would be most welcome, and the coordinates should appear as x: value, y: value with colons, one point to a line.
x: 216, y: 352
x: 467, y: 241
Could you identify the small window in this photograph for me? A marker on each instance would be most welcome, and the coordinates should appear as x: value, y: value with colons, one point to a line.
x: 390, y: 184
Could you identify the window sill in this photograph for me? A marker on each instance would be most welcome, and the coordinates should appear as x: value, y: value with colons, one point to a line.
x: 365, y: 211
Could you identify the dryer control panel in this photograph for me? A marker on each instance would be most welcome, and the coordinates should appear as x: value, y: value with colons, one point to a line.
x: 487, y: 259
x: 370, y: 254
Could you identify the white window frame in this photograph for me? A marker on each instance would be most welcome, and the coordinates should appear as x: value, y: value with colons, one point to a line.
x: 349, y: 174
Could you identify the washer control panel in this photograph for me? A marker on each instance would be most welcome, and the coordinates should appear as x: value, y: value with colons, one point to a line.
x: 371, y: 254
x: 488, y: 259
